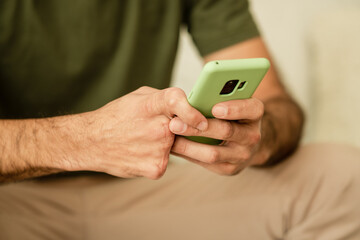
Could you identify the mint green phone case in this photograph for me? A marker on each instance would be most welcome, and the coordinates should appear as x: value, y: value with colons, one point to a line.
x: 215, y: 74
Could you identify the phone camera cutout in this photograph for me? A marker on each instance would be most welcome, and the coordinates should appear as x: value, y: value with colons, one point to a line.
x: 241, y: 85
x: 229, y: 87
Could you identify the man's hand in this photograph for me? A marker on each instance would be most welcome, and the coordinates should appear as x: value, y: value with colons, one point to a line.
x: 131, y: 137
x: 128, y: 137
x: 255, y: 132
x: 238, y: 123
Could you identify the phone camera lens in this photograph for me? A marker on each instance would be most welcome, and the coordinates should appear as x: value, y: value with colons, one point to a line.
x: 242, y: 85
x: 229, y: 87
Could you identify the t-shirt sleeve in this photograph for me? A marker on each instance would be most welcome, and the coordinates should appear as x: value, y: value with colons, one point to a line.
x: 216, y: 24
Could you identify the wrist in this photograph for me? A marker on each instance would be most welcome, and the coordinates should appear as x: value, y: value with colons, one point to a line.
x: 67, y: 143
x: 281, y: 129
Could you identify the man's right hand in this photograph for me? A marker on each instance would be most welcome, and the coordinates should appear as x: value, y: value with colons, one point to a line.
x: 128, y: 137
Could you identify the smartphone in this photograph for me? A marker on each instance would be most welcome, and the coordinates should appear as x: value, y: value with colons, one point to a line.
x: 225, y: 80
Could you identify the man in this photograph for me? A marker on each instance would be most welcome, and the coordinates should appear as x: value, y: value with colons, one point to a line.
x: 72, y: 101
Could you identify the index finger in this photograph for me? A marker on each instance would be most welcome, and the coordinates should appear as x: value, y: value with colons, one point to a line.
x: 173, y: 102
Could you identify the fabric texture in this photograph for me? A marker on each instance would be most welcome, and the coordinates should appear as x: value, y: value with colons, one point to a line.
x: 60, y: 57
x: 214, y: 24
x: 310, y: 196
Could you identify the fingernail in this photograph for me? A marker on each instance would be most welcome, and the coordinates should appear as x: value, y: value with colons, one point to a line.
x: 202, y: 126
x: 219, y: 111
x: 178, y: 126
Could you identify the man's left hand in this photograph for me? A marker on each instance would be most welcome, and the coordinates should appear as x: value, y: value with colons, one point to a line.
x: 238, y: 124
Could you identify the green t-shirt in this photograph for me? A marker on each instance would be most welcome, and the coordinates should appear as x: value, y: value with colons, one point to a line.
x: 69, y: 56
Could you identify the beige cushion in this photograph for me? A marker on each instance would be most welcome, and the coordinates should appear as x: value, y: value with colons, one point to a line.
x: 335, y: 64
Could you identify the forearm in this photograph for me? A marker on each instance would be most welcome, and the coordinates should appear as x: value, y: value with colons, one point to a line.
x: 282, y: 126
x: 36, y: 147
x: 128, y: 137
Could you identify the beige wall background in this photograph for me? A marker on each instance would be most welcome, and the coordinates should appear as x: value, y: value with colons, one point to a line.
x: 315, y: 45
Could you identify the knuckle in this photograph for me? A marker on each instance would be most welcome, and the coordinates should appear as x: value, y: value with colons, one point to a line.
x: 214, y: 156
x: 172, y: 102
x: 230, y: 170
x: 192, y: 117
x: 176, y: 91
x: 155, y: 174
x: 173, y: 95
x: 227, y: 130
x: 156, y: 171
x: 143, y: 89
x: 246, y: 155
x: 241, y: 105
